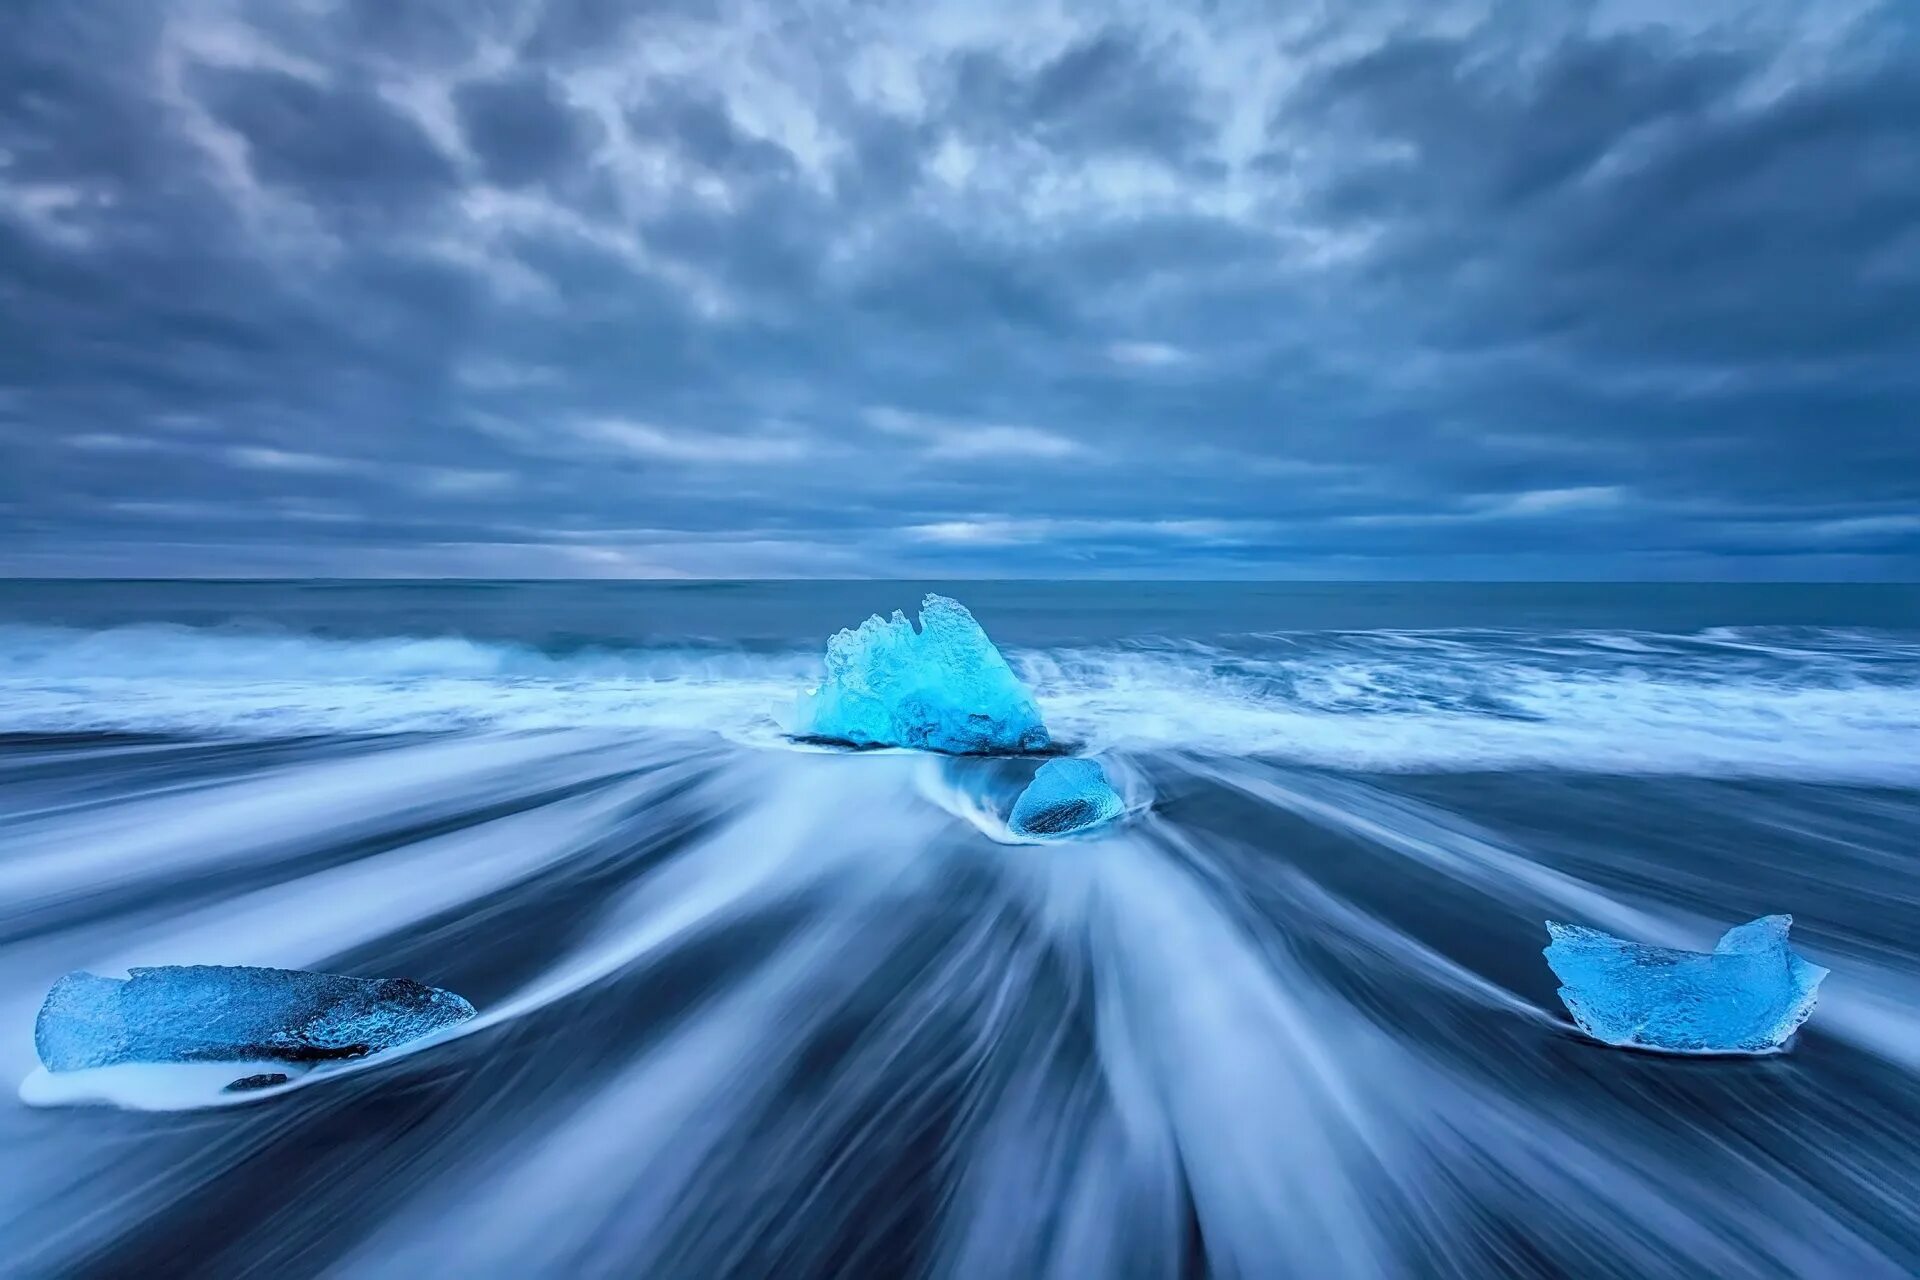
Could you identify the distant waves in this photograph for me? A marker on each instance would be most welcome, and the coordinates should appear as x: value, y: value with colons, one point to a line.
x: 1831, y: 704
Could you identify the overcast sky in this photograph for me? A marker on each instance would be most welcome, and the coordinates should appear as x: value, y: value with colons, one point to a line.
x: 1378, y: 288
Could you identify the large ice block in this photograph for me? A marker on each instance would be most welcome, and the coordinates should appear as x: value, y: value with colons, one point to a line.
x: 941, y: 688
x: 233, y: 1013
x: 1065, y: 796
x: 1748, y: 995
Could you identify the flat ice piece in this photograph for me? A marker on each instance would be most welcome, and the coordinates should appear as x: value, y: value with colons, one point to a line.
x: 233, y: 1013
x: 1065, y: 796
x: 941, y: 688
x: 1748, y: 995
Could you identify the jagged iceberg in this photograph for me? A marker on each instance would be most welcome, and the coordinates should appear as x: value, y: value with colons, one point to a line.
x: 941, y: 688
x: 1748, y: 995
x: 233, y: 1013
x: 1065, y: 797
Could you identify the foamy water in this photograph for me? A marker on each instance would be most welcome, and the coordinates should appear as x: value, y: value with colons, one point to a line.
x: 1834, y: 705
x: 747, y: 1010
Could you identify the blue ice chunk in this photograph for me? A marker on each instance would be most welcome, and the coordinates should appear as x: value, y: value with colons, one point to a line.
x: 941, y: 688
x: 233, y: 1013
x: 1748, y: 995
x: 1065, y: 796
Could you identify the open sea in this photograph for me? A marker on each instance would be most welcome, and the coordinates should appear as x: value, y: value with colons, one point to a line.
x: 752, y: 1009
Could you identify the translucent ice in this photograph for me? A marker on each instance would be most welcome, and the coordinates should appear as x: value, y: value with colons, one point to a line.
x: 1745, y: 996
x: 1065, y: 796
x: 941, y: 688
x: 221, y: 1013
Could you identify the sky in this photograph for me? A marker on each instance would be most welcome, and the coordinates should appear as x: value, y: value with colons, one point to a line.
x: 789, y: 288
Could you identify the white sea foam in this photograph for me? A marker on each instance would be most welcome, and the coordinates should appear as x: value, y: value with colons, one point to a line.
x: 1374, y: 714
x: 753, y: 1012
x: 1635, y: 703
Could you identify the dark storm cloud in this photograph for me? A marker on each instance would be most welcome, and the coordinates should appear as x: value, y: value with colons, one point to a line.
x: 696, y: 124
x: 58, y: 120
x: 338, y: 147
x: 568, y: 286
x: 428, y: 34
x: 1108, y: 91
x: 565, y: 30
x: 522, y: 129
x: 1715, y: 270
x: 1622, y: 197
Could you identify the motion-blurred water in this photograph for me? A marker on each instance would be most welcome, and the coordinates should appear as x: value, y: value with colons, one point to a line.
x: 748, y: 1010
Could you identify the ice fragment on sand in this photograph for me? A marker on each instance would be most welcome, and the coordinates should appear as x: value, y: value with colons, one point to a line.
x: 223, y: 1013
x: 1065, y: 796
x: 941, y: 688
x: 1748, y: 995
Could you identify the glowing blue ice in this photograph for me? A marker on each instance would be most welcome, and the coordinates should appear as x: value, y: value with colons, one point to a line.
x: 1065, y: 796
x: 941, y: 688
x: 1748, y: 995
x: 220, y: 1013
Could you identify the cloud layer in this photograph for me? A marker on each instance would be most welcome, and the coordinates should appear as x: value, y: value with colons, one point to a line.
x: 693, y: 287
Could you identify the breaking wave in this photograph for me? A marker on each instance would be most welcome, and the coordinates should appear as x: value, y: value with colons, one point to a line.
x: 751, y: 1012
x: 1813, y: 703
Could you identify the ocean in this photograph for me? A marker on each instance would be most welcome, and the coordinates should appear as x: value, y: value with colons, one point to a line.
x: 752, y: 1008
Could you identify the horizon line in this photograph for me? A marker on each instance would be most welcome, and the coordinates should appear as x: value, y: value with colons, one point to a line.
x: 396, y: 580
